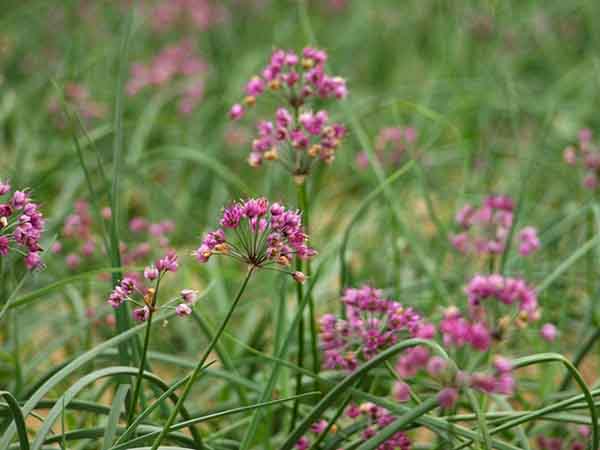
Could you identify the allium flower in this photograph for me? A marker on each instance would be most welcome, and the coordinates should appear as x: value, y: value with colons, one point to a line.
x: 259, y: 234
x: 199, y: 14
x: 507, y: 290
x: 374, y: 323
x: 586, y: 155
x: 391, y: 146
x: 566, y: 438
x: 485, y: 229
x: 131, y: 289
x: 21, y: 226
x: 548, y: 332
x: 81, y: 237
x: 177, y: 61
x: 79, y: 98
x: 447, y: 397
x: 299, y: 135
x: 367, y: 419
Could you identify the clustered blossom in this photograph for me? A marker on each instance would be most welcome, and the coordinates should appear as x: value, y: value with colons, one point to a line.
x: 174, y: 62
x: 507, y: 290
x: 391, y: 146
x: 78, y: 97
x: 314, y: 137
x: 80, y: 238
x: 198, y: 14
x: 569, y: 440
x: 260, y: 235
x: 21, y: 226
x: 298, y: 135
x: 373, y: 324
x: 485, y: 229
x: 371, y: 418
x: 129, y: 288
x: 586, y: 155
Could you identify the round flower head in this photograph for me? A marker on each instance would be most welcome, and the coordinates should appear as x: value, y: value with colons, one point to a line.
x: 485, y: 229
x: 21, y: 226
x: 373, y: 324
x: 586, y: 156
x: 260, y: 235
x: 145, y: 297
x: 298, y: 136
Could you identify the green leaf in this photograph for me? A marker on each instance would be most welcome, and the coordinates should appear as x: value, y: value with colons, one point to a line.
x: 118, y: 402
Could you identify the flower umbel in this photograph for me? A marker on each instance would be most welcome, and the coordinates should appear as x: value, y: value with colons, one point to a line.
x: 299, y: 135
x: 21, y: 226
x: 259, y: 234
x: 374, y: 323
x: 145, y: 298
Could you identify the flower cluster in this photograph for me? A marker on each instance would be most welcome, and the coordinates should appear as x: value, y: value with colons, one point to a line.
x: 80, y: 238
x: 129, y: 287
x: 177, y: 61
x: 568, y: 440
x: 390, y: 146
x: 373, y: 324
x: 587, y: 155
x: 370, y: 418
x: 501, y: 381
x: 21, y: 226
x: 298, y: 135
x: 263, y: 234
x: 485, y: 229
x: 507, y: 290
x: 79, y: 97
x: 198, y: 14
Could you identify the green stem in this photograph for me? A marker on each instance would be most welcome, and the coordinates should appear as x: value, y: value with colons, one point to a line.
x: 138, y: 381
x: 200, y: 364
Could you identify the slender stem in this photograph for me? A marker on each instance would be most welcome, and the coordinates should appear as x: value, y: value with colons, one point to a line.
x: 201, y: 362
x: 138, y: 381
x: 305, y: 207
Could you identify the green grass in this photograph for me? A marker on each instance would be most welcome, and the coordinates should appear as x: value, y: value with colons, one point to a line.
x: 495, y: 91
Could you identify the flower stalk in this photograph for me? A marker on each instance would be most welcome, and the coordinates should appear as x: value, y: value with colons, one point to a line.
x: 202, y: 360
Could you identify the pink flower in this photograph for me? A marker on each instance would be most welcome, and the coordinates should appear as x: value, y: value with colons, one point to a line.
x: 254, y: 220
x: 447, y: 398
x: 141, y: 314
x: 183, y: 309
x: 548, y: 332
x: 401, y: 391
x: 529, y: 241
x: 189, y: 296
x: 151, y: 273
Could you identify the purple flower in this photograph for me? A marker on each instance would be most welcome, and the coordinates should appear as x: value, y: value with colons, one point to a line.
x: 264, y: 235
x: 141, y: 314
x: 548, y: 332
x: 21, y: 226
x: 447, y: 398
x: 529, y: 241
x: 373, y: 324
x: 183, y: 309
x: 298, y: 81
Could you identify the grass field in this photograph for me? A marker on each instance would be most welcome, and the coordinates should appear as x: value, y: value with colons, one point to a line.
x: 299, y: 224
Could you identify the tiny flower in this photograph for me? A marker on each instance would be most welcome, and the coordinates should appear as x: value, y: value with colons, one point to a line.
x: 183, y: 309
x: 401, y: 391
x: 548, y: 332
x: 141, y: 314
x: 299, y: 277
x: 529, y: 241
x: 447, y: 398
x: 168, y: 263
x: 151, y: 273
x: 189, y: 296
x: 236, y: 112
